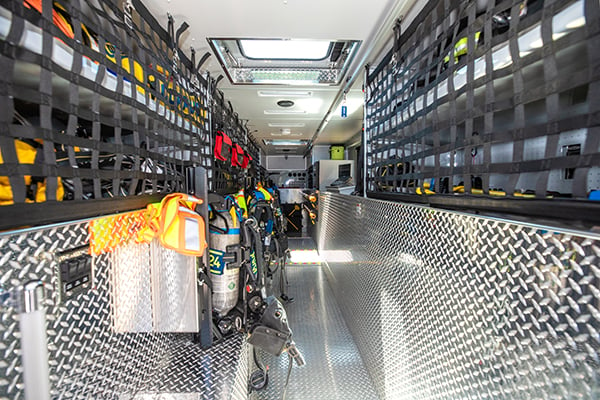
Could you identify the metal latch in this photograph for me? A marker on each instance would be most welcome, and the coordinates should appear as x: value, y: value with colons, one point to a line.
x: 295, y: 353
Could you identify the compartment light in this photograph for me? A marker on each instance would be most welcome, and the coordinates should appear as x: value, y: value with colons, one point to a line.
x: 287, y: 124
x: 284, y: 93
x: 305, y: 257
x: 285, y: 142
x: 530, y: 40
x: 284, y: 112
x: 577, y: 23
x: 572, y: 17
x: 297, y: 134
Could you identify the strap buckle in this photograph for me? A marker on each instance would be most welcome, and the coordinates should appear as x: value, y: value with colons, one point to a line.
x: 127, y: 13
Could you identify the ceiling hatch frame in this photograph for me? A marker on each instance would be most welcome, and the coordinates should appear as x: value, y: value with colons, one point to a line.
x: 243, y: 70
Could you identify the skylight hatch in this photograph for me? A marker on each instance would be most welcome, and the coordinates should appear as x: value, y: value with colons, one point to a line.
x: 312, y: 50
x: 284, y: 61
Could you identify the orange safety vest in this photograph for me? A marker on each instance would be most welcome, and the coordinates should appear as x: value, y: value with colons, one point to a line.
x: 176, y: 224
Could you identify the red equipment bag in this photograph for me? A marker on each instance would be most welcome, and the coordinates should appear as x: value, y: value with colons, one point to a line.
x: 246, y: 161
x: 237, y: 155
x: 222, y: 146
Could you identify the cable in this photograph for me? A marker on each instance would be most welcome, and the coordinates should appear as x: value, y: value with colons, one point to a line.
x: 283, y: 281
x: 259, y: 379
x: 277, y: 258
x: 256, y: 360
x: 287, y: 379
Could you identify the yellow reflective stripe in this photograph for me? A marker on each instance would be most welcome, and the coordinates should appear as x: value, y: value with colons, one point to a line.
x: 234, y: 217
x: 267, y: 195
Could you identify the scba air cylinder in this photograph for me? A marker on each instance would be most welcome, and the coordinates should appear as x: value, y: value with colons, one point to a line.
x: 225, y: 277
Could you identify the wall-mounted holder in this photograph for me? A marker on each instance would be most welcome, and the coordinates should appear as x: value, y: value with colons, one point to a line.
x: 28, y: 300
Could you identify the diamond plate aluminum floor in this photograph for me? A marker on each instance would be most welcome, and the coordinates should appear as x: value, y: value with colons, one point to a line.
x: 334, y: 369
x: 301, y: 243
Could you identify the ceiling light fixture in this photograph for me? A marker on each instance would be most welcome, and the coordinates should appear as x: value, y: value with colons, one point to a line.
x: 287, y: 76
x: 285, y: 142
x: 284, y: 112
x: 287, y: 124
x: 284, y: 93
x: 298, y: 134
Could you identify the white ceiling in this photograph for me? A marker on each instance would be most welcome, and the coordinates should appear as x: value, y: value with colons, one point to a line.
x: 368, y: 21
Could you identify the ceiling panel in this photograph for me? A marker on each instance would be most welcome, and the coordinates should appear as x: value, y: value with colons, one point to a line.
x: 286, y: 19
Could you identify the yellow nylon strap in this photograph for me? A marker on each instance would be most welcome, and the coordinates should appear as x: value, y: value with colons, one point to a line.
x: 152, y: 224
x: 240, y: 199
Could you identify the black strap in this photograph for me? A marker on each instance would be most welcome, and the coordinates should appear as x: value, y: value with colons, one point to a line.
x: 141, y: 160
x: 470, y: 125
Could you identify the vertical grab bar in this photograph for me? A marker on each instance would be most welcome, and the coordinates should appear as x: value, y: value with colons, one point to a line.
x: 34, y: 344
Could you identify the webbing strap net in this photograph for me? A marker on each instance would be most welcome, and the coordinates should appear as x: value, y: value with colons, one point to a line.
x: 111, y: 113
x: 492, y: 98
x: 228, y: 177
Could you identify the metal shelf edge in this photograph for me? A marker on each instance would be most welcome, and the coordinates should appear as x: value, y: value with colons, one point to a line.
x: 563, y: 212
x: 34, y: 214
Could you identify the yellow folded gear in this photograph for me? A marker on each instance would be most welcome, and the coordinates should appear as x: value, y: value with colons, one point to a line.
x: 426, y: 191
x: 26, y: 154
x: 182, y: 228
x: 267, y: 196
x: 40, y: 195
x: 176, y: 224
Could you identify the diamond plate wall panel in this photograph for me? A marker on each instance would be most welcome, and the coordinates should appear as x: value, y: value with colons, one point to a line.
x: 88, y: 358
x: 445, y: 305
x: 211, y: 374
x: 240, y: 384
x: 175, y: 307
x: 132, y: 297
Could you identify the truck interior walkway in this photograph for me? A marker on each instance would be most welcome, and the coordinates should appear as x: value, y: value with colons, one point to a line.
x: 334, y: 369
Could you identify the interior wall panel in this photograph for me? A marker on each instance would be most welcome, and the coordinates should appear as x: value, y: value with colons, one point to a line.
x: 96, y: 346
x: 445, y: 305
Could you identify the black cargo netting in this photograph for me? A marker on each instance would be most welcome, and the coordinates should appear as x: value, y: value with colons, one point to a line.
x: 493, y: 98
x: 95, y: 104
x: 226, y: 177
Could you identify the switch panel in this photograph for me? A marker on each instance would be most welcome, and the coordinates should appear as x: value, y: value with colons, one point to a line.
x: 74, y: 271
